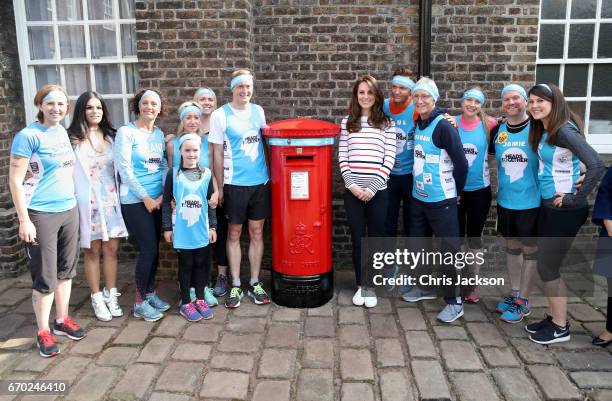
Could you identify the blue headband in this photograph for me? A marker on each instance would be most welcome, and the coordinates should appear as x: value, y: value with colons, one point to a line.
x: 404, y: 81
x: 427, y: 88
x: 205, y: 91
x: 189, y: 137
x: 241, y: 79
x: 188, y: 109
x: 474, y: 94
x: 514, y: 88
x: 152, y: 94
x: 55, y: 95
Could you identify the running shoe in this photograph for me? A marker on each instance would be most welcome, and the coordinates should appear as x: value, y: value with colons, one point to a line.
x: 233, y: 301
x: 47, y: 347
x: 222, y: 287
x: 147, y: 312
x: 506, y: 303
x: 515, y: 313
x: 157, y: 303
x: 203, y: 309
x: 189, y: 312
x: 534, y: 327
x: 110, y: 297
x: 418, y: 294
x: 99, y: 306
x: 550, y: 334
x: 192, y: 295
x: 209, y: 297
x: 68, y: 328
x: 258, y: 295
x: 472, y: 297
x: 450, y: 313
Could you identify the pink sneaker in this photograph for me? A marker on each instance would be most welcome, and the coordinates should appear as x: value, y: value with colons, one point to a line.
x: 203, y: 309
x: 472, y: 297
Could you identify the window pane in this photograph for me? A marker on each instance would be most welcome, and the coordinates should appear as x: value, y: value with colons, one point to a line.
x: 72, y: 41
x: 553, y: 9
x: 583, y: 9
x: 551, y: 41
x: 578, y: 108
x: 605, y: 40
x: 128, y: 39
x: 602, y: 79
x: 46, y: 74
x: 131, y: 77
x: 38, y: 10
x: 547, y: 73
x: 103, y: 42
x: 126, y: 9
x: 42, y: 44
x: 581, y: 41
x: 100, y: 9
x: 600, y: 122
x: 575, y: 83
x: 77, y: 79
x: 115, y: 111
x: 69, y: 10
x: 606, y: 9
x: 108, y: 78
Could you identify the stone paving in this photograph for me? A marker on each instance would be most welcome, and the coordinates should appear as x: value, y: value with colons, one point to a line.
x: 396, y: 351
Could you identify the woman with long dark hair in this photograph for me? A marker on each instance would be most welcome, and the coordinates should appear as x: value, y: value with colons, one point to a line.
x: 556, y: 134
x: 141, y: 162
x: 101, y: 223
x: 366, y: 154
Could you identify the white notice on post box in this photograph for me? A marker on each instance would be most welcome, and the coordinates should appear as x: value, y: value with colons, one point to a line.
x: 299, y: 185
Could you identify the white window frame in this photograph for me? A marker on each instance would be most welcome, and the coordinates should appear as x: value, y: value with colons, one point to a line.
x: 27, y: 64
x: 600, y: 142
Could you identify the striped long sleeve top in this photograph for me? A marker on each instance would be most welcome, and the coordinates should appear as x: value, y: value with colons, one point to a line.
x: 366, y: 157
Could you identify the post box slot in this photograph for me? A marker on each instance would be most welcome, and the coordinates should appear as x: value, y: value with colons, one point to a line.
x: 301, y: 159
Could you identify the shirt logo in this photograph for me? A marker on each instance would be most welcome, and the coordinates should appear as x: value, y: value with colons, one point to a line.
x: 502, y: 137
x: 191, y: 209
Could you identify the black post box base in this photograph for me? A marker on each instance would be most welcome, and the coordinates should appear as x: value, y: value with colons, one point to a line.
x: 302, y: 291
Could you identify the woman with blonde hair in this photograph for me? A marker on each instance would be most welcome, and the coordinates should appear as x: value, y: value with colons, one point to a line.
x: 47, y: 213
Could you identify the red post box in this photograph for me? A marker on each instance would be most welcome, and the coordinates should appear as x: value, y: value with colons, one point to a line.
x: 300, y: 174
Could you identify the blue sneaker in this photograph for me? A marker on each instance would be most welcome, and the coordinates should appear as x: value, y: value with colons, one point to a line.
x: 189, y: 312
x: 515, y: 313
x: 506, y: 303
x: 203, y: 309
x: 147, y: 312
x: 157, y: 303
x: 418, y: 294
x: 209, y: 297
x: 222, y: 287
x: 450, y: 313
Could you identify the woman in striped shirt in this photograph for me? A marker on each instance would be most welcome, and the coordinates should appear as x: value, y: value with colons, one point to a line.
x: 366, y: 154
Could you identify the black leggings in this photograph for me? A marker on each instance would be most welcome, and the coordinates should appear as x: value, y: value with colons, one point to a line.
x: 362, y: 215
x: 473, y: 211
x: 193, y: 271
x: 609, y: 310
x: 145, y: 229
x: 556, y: 231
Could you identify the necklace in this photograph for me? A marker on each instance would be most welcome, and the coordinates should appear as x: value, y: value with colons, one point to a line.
x: 98, y: 151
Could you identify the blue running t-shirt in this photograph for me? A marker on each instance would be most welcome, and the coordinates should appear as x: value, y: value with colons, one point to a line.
x: 404, y: 125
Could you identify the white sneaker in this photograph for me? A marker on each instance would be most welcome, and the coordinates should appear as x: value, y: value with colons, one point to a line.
x: 358, y: 299
x: 110, y: 297
x: 370, y: 299
x: 99, y: 306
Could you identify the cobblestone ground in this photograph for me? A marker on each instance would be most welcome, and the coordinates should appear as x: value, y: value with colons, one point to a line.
x: 396, y: 351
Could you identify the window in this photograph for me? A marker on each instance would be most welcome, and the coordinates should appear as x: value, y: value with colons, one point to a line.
x: 575, y: 52
x: 80, y: 44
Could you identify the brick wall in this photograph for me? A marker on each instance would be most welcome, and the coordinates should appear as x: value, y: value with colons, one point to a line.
x: 12, y: 119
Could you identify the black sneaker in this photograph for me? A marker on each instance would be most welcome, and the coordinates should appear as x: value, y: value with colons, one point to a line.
x: 68, y: 328
x: 258, y: 295
x: 533, y: 327
x: 551, y: 334
x: 46, y: 344
x: 233, y: 300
